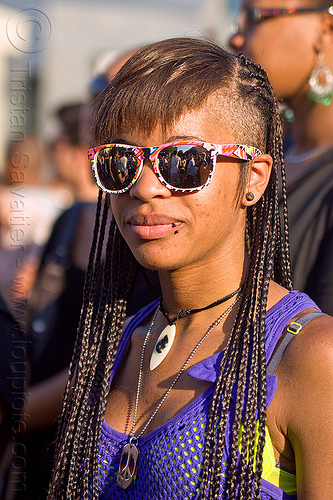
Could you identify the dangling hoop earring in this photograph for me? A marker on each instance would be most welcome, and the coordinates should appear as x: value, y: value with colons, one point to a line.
x: 321, y: 91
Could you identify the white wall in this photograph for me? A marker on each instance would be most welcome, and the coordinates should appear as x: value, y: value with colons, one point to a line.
x: 12, y: 79
x: 68, y: 37
x: 82, y: 31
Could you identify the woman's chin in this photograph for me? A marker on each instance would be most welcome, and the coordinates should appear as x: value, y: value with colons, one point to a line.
x: 155, y: 264
x: 155, y: 260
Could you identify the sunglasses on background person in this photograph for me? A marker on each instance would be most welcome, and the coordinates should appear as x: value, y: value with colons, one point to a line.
x: 196, y: 164
x: 250, y: 16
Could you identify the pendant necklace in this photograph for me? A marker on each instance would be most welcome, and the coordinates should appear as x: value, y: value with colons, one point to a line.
x: 167, y: 336
x: 128, y: 465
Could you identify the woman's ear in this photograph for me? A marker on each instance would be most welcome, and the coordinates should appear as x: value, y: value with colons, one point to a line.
x: 325, y: 41
x: 257, y: 179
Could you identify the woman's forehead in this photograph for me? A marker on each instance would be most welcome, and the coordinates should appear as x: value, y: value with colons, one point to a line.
x: 197, y: 125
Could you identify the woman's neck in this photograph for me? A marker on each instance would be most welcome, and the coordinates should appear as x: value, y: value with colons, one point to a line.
x: 313, y: 126
x: 198, y: 286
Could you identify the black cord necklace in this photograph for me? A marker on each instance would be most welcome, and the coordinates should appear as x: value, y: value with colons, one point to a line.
x: 183, y: 314
x: 167, y: 336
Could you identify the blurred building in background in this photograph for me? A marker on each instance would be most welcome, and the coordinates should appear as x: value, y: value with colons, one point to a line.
x: 53, y: 47
x: 13, y: 90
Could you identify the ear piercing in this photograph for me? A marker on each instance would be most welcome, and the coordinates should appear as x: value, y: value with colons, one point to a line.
x: 249, y: 196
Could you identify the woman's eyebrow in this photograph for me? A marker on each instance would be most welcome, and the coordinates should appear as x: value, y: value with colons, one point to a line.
x: 184, y: 138
x: 173, y: 138
x: 119, y: 140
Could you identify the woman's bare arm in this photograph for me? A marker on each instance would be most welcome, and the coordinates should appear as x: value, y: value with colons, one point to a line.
x: 307, y: 376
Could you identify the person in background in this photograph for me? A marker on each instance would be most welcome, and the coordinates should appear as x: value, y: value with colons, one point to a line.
x: 293, y: 41
x: 194, y: 397
x: 174, y: 168
x: 14, y: 375
x: 191, y: 169
x: 24, y: 227
x: 68, y: 153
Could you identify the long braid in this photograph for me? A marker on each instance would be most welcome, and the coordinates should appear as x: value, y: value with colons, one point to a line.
x: 248, y: 365
x: 86, y: 291
x: 98, y: 335
x: 245, y: 351
x: 93, y: 340
x: 84, y: 367
x: 218, y: 415
x: 64, y: 428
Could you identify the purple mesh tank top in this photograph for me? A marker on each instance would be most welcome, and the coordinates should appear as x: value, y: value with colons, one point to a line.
x: 171, y: 457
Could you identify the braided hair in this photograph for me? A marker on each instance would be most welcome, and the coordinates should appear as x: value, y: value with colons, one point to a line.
x: 181, y: 74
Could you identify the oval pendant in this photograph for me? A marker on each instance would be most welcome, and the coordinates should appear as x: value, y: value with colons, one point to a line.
x: 163, y: 345
x: 128, y: 466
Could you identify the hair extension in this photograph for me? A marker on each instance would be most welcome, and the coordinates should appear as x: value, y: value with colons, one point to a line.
x: 93, y: 354
x: 181, y: 74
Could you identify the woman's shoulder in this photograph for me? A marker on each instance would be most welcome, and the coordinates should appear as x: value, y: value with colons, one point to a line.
x: 305, y: 376
x: 283, y: 308
x: 300, y: 416
x: 298, y: 303
x: 276, y: 293
x: 312, y: 350
x: 285, y: 304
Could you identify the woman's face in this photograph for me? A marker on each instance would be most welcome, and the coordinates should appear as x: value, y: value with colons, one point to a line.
x: 167, y: 230
x: 285, y: 46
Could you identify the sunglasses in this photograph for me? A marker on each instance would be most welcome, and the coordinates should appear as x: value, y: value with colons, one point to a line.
x: 251, y: 16
x: 184, y: 167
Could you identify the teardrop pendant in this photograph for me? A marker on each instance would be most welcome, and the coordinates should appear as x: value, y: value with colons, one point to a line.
x: 163, y: 345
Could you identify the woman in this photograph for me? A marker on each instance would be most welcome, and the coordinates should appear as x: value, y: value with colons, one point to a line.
x: 185, y: 414
x: 293, y: 41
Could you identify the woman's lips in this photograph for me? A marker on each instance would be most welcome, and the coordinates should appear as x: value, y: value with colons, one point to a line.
x: 153, y: 227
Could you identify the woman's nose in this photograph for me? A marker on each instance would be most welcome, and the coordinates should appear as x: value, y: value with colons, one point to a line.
x: 148, y: 186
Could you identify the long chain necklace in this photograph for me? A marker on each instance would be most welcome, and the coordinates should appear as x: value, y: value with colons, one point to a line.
x: 128, y: 465
x: 168, y: 334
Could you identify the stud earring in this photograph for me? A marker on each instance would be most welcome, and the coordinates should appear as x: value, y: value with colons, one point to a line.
x: 321, y: 83
x: 249, y: 196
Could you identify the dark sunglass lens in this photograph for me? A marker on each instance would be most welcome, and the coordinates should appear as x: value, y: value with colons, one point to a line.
x: 116, y: 167
x: 185, y: 166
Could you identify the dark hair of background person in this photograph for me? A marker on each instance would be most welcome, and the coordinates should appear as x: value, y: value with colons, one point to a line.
x: 69, y: 116
x: 181, y: 74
